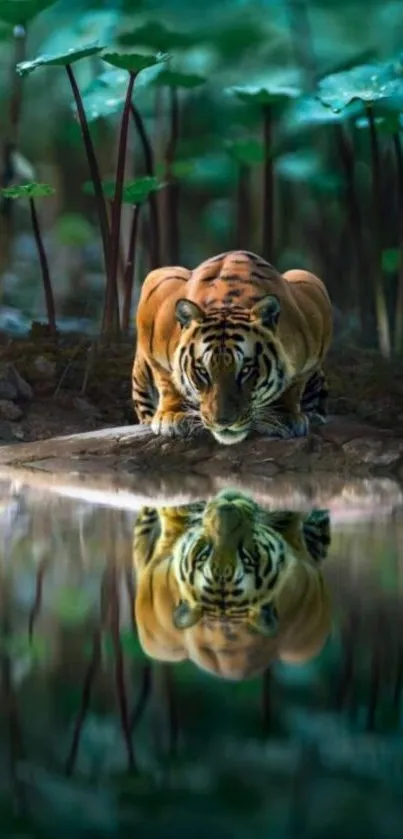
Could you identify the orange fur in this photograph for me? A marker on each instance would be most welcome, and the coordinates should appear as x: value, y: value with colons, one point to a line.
x: 222, y: 644
x: 229, y: 292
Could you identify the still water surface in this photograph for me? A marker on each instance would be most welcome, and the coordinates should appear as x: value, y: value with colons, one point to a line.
x: 99, y: 739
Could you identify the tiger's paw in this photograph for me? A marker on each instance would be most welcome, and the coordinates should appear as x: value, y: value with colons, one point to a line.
x: 289, y: 428
x: 171, y: 424
x: 297, y: 427
x: 293, y: 427
x: 314, y: 398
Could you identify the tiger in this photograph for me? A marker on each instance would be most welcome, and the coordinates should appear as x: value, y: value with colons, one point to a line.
x: 230, y: 348
x: 231, y: 586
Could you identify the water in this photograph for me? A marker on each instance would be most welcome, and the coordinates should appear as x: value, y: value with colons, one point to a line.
x: 97, y: 739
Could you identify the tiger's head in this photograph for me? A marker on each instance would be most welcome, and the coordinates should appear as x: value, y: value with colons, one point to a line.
x: 229, y: 566
x: 229, y: 364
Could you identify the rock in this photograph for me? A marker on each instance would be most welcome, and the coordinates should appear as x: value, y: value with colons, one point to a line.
x: 6, y: 432
x: 12, y: 385
x: 375, y: 452
x: 43, y: 368
x: 85, y: 406
x: 17, y: 431
x: 7, y: 390
x: 9, y: 411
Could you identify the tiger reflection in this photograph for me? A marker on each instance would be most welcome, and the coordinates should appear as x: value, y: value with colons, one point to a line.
x: 231, y: 586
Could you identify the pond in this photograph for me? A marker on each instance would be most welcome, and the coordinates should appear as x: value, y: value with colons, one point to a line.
x: 117, y: 723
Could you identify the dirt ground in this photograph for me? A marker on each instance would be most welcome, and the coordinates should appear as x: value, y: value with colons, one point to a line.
x: 80, y: 385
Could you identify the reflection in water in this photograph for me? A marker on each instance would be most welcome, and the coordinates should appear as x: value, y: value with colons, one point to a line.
x: 230, y: 585
x: 99, y: 739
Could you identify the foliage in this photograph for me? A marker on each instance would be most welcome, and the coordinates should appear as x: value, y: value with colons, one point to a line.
x: 71, y: 55
x: 369, y: 83
x: 172, y: 78
x: 31, y: 190
x: 134, y: 192
x: 281, y: 98
x: 132, y: 62
x: 22, y: 11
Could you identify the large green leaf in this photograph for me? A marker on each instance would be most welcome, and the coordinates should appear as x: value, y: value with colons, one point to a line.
x: 157, y: 36
x: 133, y: 62
x: 310, y: 111
x: 61, y: 59
x: 172, y: 78
x: 247, y: 152
x: 106, y: 94
x: 32, y: 190
x: 22, y: 11
x: 134, y: 192
x: 276, y: 95
x: 369, y: 83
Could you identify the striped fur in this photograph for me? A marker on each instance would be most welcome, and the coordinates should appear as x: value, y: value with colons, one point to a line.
x: 231, y: 586
x: 231, y: 347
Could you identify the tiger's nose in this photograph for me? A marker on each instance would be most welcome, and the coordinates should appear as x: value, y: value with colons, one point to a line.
x: 226, y: 418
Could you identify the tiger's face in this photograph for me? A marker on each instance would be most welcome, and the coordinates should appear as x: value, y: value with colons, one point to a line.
x: 229, y: 365
x: 228, y: 566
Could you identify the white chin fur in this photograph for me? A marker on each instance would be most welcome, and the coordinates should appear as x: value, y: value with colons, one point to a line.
x: 229, y: 438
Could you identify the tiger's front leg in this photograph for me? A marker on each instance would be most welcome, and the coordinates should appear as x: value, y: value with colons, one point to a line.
x: 170, y: 419
x: 315, y: 396
x: 292, y: 422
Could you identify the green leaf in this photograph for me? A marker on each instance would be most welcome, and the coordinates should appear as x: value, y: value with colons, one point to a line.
x: 106, y: 94
x: 156, y: 36
x: 32, y: 190
x: 61, y: 59
x: 391, y: 260
x: 247, y: 152
x: 276, y: 95
x: 134, y: 192
x: 235, y: 37
x: 172, y: 78
x: 17, y: 12
x: 72, y: 606
x: 310, y: 111
x: 368, y: 83
x: 179, y: 168
x: 133, y: 62
x: 74, y: 230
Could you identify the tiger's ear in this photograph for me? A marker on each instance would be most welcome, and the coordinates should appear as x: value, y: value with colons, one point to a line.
x: 265, y: 621
x: 267, y: 311
x: 185, y: 616
x: 186, y: 311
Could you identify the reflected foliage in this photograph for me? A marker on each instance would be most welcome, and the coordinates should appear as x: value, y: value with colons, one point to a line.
x: 97, y: 737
